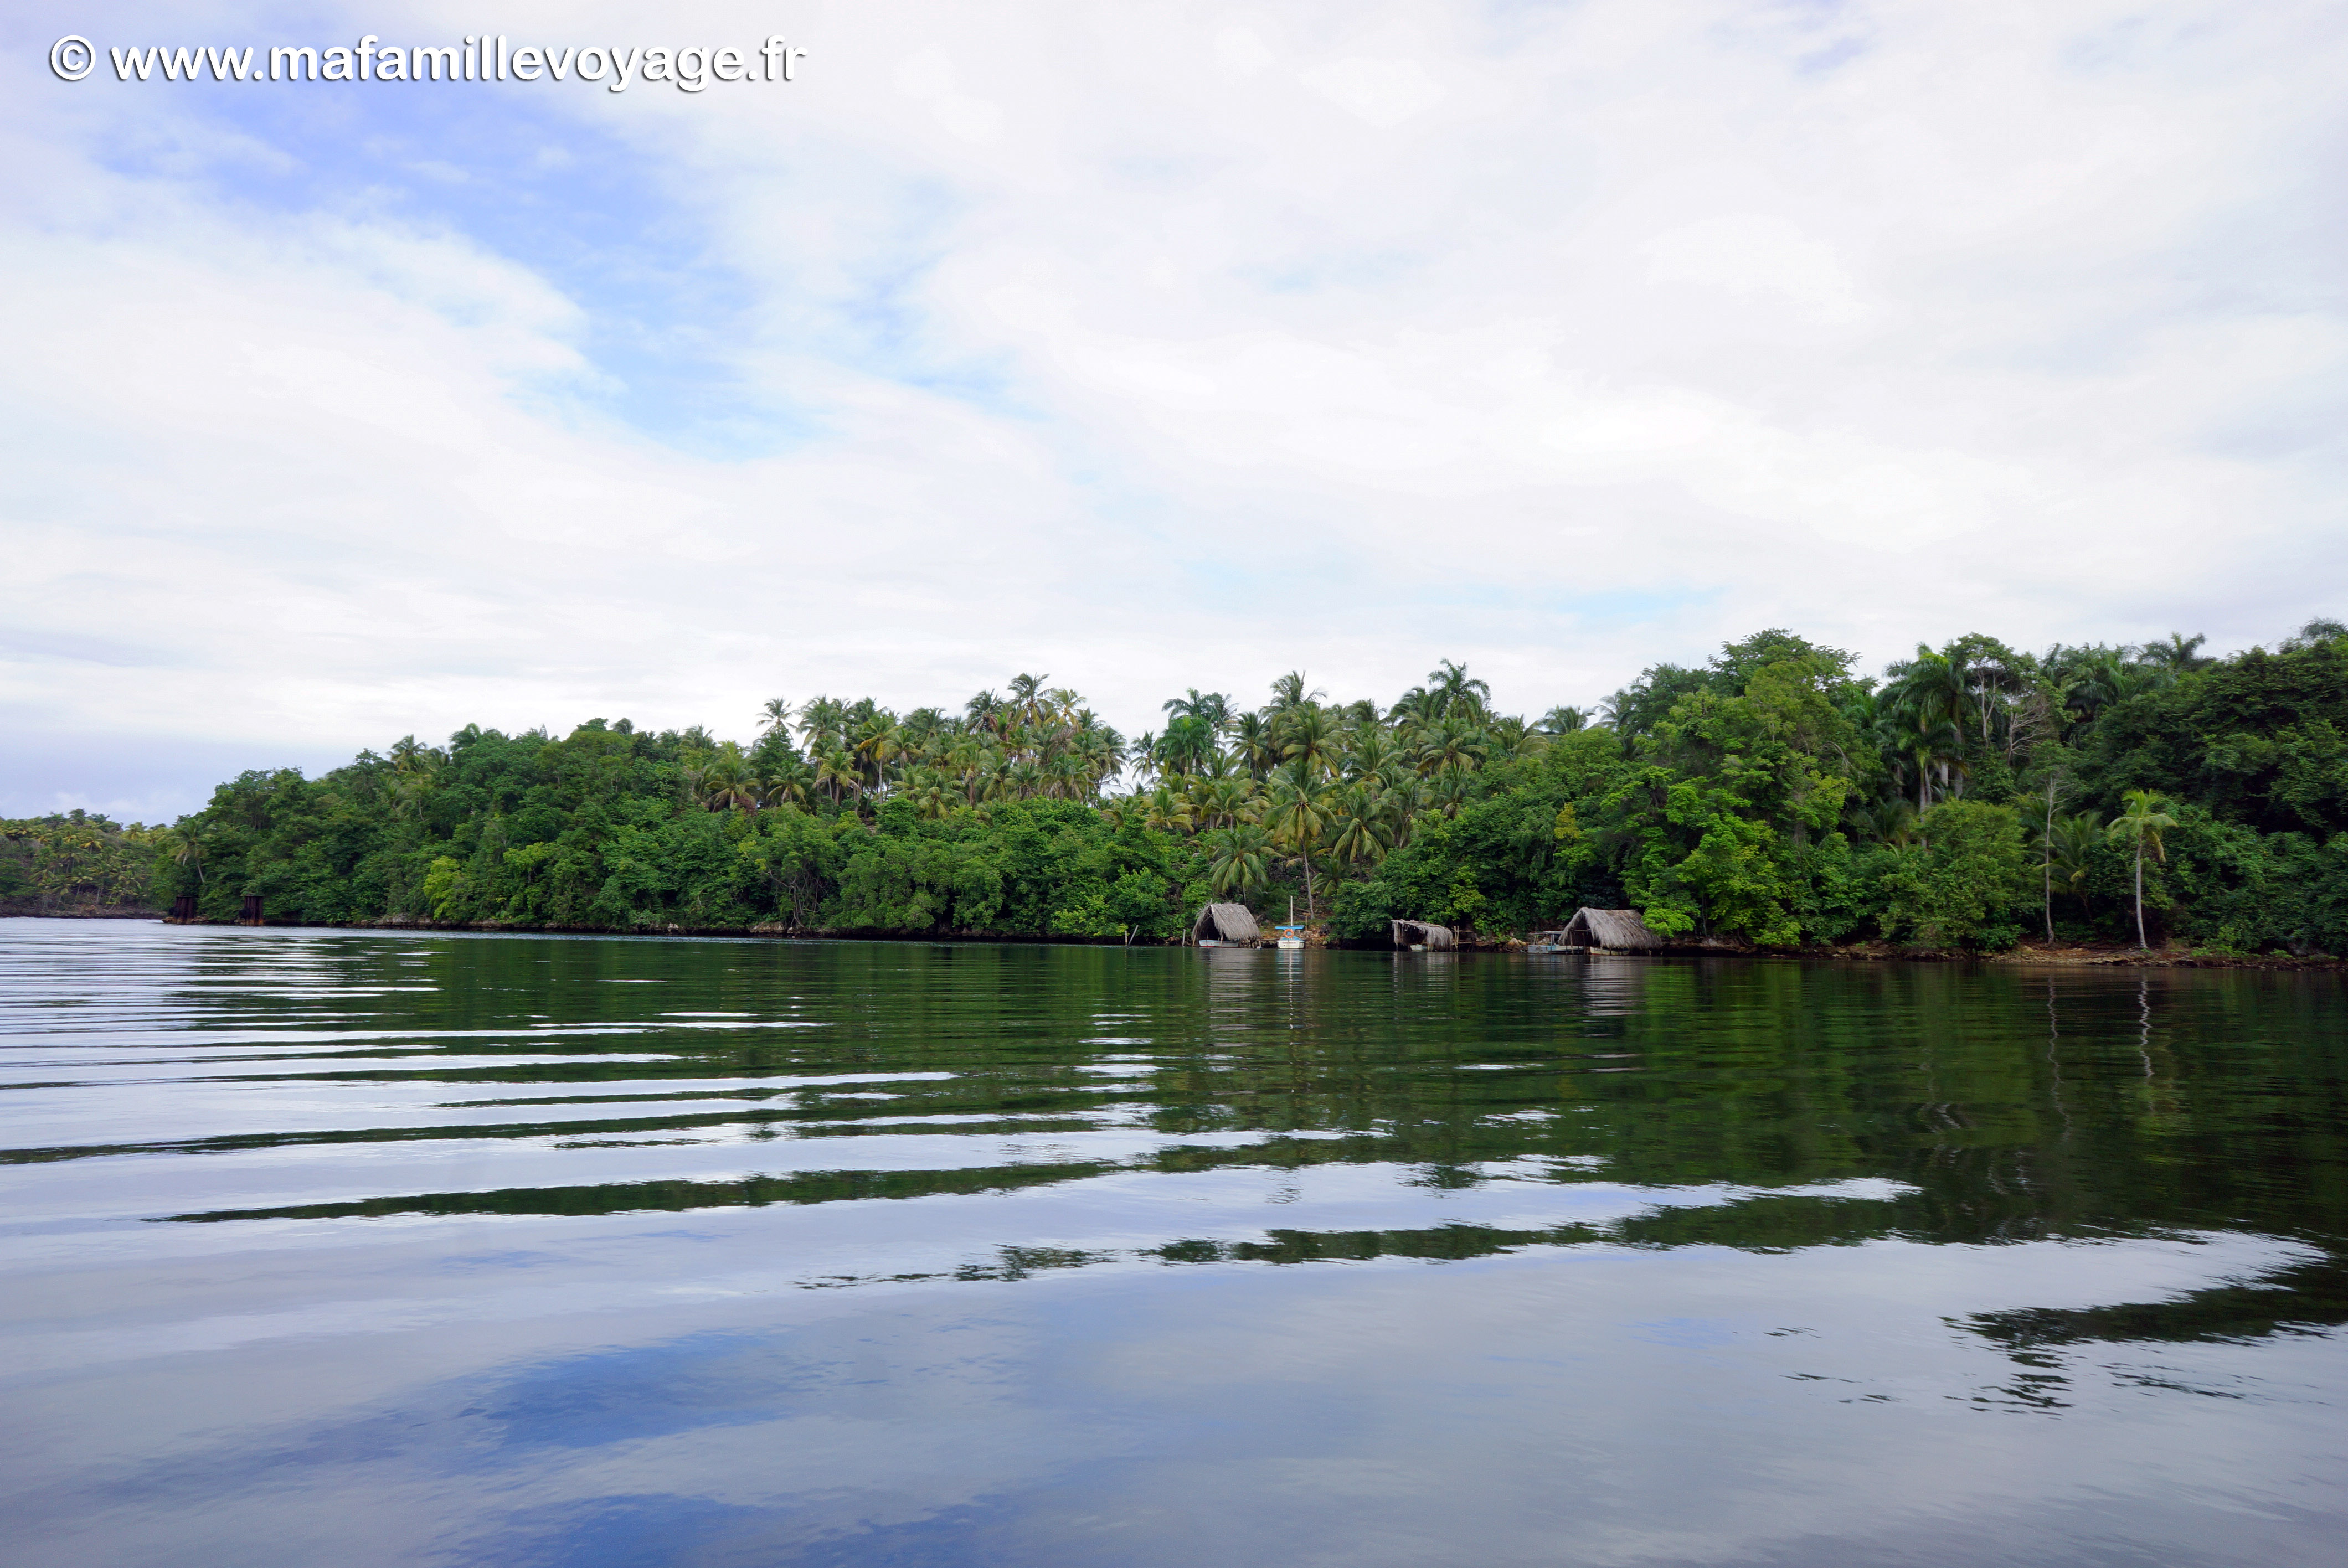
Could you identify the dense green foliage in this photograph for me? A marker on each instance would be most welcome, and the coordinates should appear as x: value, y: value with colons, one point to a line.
x: 1772, y: 797
x: 75, y: 863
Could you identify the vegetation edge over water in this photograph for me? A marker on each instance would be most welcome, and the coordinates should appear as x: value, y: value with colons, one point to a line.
x: 1769, y: 800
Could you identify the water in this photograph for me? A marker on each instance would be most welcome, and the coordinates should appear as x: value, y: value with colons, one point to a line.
x: 357, y: 1248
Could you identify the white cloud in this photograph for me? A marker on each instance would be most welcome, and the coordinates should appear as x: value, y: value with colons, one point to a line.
x: 1124, y: 337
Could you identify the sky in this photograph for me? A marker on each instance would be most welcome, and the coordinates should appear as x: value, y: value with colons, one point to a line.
x: 1141, y: 345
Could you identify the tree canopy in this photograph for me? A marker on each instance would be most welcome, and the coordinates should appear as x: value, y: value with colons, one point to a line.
x: 1771, y: 796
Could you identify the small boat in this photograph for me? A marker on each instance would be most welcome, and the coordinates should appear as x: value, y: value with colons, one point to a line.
x: 1290, y: 936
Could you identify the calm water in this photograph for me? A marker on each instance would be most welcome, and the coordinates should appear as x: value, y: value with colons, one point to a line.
x: 357, y: 1248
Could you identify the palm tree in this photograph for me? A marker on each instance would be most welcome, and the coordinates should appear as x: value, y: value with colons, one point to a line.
x: 1361, y: 818
x: 1298, y: 813
x: 1928, y: 697
x: 1027, y: 696
x: 1214, y: 707
x: 188, y: 849
x: 1455, y: 690
x: 2178, y: 655
x: 1258, y: 747
x: 775, y: 716
x: 836, y: 770
x: 984, y: 713
x: 788, y: 781
x: 408, y: 757
x: 1454, y: 745
x: 929, y: 793
x: 1371, y: 750
x: 1563, y: 721
x: 2137, y: 824
x: 1289, y: 692
x: 1312, y: 740
x: 877, y: 744
x: 1166, y: 811
x: 1448, y: 791
x: 2314, y: 634
x: 1237, y: 860
x: 2074, y: 842
x: 1221, y: 803
x: 1185, y: 745
x: 1513, y: 737
x: 821, y: 725
x: 408, y: 791
x: 723, y: 780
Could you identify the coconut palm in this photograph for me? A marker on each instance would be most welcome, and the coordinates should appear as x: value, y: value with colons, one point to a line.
x: 1256, y: 744
x: 932, y: 794
x: 788, y: 781
x: 1212, y: 706
x: 1297, y: 813
x: 724, y: 780
x: 1313, y: 740
x: 1289, y: 692
x: 1222, y: 803
x: 1188, y: 742
x: 1369, y: 752
x: 1447, y: 792
x: 188, y: 850
x: 822, y: 725
x: 2137, y: 824
x: 837, y: 771
x: 1457, y: 692
x: 1028, y: 699
x: 1359, y: 816
x: 1453, y: 745
x: 1166, y: 811
x: 1238, y: 859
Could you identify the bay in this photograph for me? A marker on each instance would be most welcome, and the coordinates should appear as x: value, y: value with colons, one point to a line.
x: 377, y: 1247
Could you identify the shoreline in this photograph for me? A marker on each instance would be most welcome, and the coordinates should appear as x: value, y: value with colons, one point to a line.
x: 2026, y: 955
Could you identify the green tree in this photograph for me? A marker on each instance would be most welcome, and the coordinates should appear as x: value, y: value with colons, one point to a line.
x: 1238, y: 859
x: 1960, y: 885
x: 2140, y: 823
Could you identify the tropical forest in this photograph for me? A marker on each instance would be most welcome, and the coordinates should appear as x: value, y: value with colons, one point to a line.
x: 1969, y: 798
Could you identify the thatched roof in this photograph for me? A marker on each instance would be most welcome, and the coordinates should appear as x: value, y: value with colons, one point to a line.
x: 1419, y: 932
x: 1225, y: 923
x: 1615, y: 930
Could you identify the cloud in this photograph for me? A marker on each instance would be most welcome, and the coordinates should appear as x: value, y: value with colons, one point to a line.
x: 1155, y: 348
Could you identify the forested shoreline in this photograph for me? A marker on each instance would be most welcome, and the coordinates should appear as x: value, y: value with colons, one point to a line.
x: 1773, y: 798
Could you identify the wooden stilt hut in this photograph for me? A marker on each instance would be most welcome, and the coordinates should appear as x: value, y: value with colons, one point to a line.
x: 1610, y: 931
x: 1225, y: 924
x: 1420, y: 934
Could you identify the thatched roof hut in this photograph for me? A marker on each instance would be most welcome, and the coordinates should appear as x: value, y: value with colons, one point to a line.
x: 1610, y: 930
x: 1419, y: 933
x: 1225, y: 923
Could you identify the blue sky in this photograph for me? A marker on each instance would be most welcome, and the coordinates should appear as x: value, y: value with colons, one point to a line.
x: 1148, y: 347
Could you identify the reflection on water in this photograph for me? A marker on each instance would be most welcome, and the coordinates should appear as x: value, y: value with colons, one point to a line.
x: 358, y: 1247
